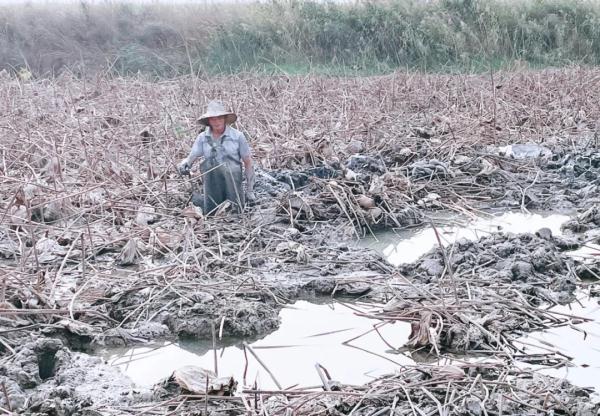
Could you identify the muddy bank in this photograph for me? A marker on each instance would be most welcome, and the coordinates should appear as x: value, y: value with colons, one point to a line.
x: 45, y: 377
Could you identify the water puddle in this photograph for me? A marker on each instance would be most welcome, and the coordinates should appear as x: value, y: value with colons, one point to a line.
x: 589, y: 252
x: 582, y: 344
x: 346, y: 344
x: 309, y: 333
x: 406, y: 246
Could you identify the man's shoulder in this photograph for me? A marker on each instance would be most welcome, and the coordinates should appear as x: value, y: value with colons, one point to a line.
x: 234, y: 133
x: 201, y: 137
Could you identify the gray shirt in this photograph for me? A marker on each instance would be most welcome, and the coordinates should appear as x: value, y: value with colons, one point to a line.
x: 230, y: 147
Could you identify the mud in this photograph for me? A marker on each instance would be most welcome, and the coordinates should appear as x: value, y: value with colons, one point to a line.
x: 45, y: 377
x: 296, y: 260
x: 571, y: 400
x: 196, y: 314
x: 128, y: 264
x: 534, y: 264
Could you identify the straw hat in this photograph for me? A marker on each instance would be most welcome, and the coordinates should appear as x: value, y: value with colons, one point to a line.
x: 216, y: 109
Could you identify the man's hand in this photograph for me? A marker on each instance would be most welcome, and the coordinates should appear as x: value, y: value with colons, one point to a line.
x: 184, y: 167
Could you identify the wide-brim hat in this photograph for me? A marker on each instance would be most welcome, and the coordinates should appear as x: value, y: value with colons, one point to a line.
x: 217, y: 109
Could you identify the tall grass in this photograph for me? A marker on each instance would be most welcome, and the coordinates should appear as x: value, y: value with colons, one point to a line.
x: 297, y: 36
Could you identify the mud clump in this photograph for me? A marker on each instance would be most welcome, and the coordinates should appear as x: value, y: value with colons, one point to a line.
x: 536, y: 265
x: 296, y: 180
x: 57, y: 381
x: 460, y: 297
x: 586, y: 223
x: 241, y: 319
x: 141, y: 333
x: 197, y: 313
x: 33, y: 363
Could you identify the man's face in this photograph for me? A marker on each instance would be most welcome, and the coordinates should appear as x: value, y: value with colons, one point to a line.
x: 217, y: 123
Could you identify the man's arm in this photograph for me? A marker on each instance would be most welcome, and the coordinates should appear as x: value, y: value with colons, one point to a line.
x: 249, y: 171
x: 196, y: 151
x: 246, y: 158
x: 186, y: 164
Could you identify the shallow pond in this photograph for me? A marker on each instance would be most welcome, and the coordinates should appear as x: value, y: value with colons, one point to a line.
x: 333, y: 335
x: 309, y: 333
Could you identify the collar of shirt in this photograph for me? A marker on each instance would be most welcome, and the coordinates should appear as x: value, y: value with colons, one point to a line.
x: 226, y: 132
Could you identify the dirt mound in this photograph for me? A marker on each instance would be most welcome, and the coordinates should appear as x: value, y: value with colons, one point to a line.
x: 534, y: 264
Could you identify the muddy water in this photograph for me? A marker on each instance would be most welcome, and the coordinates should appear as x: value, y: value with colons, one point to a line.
x: 406, y: 246
x: 583, y: 344
x: 320, y: 333
x: 309, y: 333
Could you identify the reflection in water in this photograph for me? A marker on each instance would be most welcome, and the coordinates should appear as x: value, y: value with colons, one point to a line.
x: 581, y: 342
x: 407, y: 246
x: 309, y: 334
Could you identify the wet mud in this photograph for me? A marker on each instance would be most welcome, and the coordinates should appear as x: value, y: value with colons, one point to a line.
x: 153, y: 268
x: 45, y: 377
x: 535, y: 265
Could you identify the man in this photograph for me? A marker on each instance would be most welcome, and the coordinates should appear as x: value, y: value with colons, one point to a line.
x: 223, y: 150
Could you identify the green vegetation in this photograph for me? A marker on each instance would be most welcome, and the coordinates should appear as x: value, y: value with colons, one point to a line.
x: 299, y: 36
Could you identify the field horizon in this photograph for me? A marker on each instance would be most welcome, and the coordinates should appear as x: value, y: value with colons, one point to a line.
x: 288, y: 37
